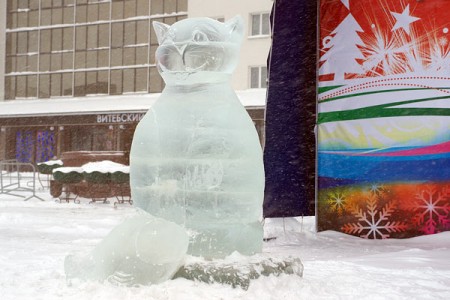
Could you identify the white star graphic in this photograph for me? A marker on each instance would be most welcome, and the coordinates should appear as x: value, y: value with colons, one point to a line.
x: 346, y: 3
x: 403, y: 20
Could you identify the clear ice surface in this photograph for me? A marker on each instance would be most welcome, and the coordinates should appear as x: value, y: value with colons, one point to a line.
x: 142, y: 250
x: 196, y: 159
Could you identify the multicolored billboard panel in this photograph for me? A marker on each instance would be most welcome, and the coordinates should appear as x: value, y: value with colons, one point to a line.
x: 384, y: 117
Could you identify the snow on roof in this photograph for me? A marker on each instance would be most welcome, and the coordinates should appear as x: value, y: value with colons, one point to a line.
x: 104, y: 104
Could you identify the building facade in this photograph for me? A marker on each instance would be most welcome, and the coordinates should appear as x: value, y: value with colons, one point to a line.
x: 74, y: 48
x: 252, y: 69
x: 86, y: 51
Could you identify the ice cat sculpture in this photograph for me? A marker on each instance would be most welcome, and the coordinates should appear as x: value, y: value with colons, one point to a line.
x: 196, y: 159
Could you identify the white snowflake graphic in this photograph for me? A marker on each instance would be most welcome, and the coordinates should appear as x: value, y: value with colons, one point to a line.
x: 376, y: 188
x: 337, y: 201
x: 432, y: 208
x: 373, y: 222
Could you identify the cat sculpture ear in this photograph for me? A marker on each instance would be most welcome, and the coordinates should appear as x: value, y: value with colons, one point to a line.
x: 161, y: 30
x: 235, y: 27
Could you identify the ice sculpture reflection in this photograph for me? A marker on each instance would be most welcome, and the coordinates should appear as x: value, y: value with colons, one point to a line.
x: 196, y: 159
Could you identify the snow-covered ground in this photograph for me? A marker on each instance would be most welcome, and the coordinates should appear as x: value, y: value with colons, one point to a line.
x: 35, y: 237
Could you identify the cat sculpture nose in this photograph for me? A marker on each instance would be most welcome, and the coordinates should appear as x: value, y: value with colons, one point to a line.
x: 180, y: 49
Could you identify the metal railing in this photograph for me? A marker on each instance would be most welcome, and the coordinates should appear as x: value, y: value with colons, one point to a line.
x: 17, y: 177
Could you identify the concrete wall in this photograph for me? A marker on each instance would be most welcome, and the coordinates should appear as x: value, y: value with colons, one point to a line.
x: 254, y: 50
x: 2, y: 48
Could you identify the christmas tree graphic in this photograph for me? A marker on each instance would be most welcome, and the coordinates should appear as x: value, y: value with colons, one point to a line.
x: 343, y: 52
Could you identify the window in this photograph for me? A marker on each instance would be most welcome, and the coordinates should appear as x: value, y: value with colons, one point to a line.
x: 92, y: 36
x: 182, y: 5
x: 67, y: 60
x: 11, y: 43
x: 91, y: 59
x: 155, y: 81
x: 91, y: 83
x: 103, y: 11
x: 33, y: 41
x: 117, y: 10
x: 170, y: 6
x: 23, y: 3
x: 57, y: 16
x: 129, y: 9
x: 102, y: 139
x: 21, y: 87
x: 258, y: 76
x: 141, y: 80
x: 10, y: 64
x: 129, y: 56
x: 129, y: 33
x: 32, y: 86
x: 46, y: 3
x: 116, y: 57
x: 117, y: 35
x: 81, y: 38
x: 21, y: 63
x: 141, y: 55
x: 44, y: 86
x: 67, y: 38
x: 44, y: 63
x: 10, y: 87
x: 142, y: 7
x: 67, y: 84
x: 260, y: 24
x: 68, y: 15
x: 12, y: 20
x: 22, y: 42
x: 81, y: 139
x: 92, y: 13
x: 142, y: 32
x: 80, y: 84
x: 57, y: 39
x: 103, y: 58
x: 81, y: 14
x: 80, y: 59
x: 33, y: 18
x: 129, y: 82
x: 103, y: 35
x: 157, y: 7
x: 45, y: 41
x: 116, y: 82
x: 32, y: 63
x: 55, y: 82
x: 34, y: 4
x: 55, y: 64
x: 22, y: 19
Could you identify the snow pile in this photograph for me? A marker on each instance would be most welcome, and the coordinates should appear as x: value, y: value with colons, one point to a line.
x: 66, y: 170
x: 36, y: 236
x: 52, y: 162
x: 105, y: 166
